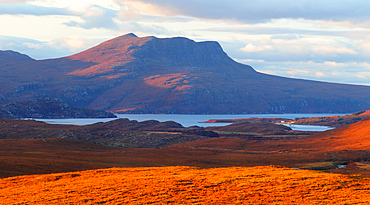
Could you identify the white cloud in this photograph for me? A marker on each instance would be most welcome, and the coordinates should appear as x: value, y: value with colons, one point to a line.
x: 94, y: 16
x: 334, y: 64
x: 33, y: 45
x: 345, y: 73
x: 319, y: 74
x: 333, y: 50
x: 73, y: 43
x: 253, y: 48
x: 43, y: 50
x: 363, y: 75
x: 13, y: 1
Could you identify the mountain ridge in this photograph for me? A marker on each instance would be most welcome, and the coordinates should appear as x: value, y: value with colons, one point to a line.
x: 130, y: 74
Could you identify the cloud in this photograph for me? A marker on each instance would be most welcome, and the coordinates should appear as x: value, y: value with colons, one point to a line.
x: 334, y: 64
x: 143, y: 29
x: 74, y: 43
x: 253, y: 48
x: 138, y: 11
x: 333, y: 50
x: 92, y: 16
x: 319, y: 74
x: 44, y: 50
x: 307, y: 48
x: 363, y: 75
x: 13, y: 1
x: 251, y: 11
x: 28, y: 9
x: 33, y: 48
x: 350, y: 72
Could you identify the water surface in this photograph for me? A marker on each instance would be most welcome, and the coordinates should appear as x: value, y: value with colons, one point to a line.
x: 192, y: 120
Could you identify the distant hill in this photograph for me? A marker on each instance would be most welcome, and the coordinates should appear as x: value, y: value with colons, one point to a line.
x: 119, y: 132
x: 46, y: 108
x: 8, y: 56
x: 331, y: 121
x: 129, y: 74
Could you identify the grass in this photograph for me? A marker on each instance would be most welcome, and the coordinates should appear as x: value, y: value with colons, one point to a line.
x: 183, y: 185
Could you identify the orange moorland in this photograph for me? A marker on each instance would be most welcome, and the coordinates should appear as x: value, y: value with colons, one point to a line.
x: 168, y: 183
x: 322, y: 151
x: 180, y: 185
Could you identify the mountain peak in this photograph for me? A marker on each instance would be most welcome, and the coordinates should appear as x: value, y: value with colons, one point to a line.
x: 129, y: 35
x: 150, y: 52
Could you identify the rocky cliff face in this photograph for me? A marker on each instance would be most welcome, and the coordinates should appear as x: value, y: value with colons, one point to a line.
x: 46, y: 108
x: 129, y: 74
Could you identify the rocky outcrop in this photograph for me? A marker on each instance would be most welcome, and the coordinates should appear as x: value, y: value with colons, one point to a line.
x: 48, y: 108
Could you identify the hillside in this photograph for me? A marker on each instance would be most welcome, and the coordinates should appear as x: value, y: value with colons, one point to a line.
x: 9, y: 56
x: 351, y: 137
x: 119, y: 133
x: 46, y: 108
x: 183, y: 185
x: 170, y: 75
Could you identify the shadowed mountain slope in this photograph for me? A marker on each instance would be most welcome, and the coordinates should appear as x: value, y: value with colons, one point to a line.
x: 171, y: 75
x: 48, y: 108
x: 9, y: 56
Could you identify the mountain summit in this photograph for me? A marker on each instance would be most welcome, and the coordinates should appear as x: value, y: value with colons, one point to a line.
x: 170, y: 75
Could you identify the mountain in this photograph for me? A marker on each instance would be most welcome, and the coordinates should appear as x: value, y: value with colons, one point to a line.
x: 46, y: 108
x: 129, y: 74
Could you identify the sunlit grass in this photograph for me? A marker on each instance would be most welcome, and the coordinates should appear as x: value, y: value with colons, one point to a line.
x: 180, y: 185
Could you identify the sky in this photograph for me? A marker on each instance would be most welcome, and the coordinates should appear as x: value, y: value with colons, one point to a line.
x: 307, y: 39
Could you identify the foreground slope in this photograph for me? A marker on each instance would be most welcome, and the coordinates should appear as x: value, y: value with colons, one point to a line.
x: 351, y: 137
x: 181, y: 185
x: 170, y: 75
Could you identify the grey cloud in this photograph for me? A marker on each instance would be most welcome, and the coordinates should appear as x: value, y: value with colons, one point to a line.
x: 35, y: 49
x: 252, y: 11
x: 280, y: 32
x: 103, y: 17
x: 27, y: 9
